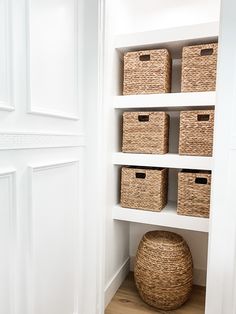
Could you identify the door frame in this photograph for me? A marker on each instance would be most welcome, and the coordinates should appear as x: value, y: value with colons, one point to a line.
x: 221, y: 279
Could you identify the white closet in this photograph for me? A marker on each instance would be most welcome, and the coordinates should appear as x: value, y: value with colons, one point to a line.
x: 137, y: 25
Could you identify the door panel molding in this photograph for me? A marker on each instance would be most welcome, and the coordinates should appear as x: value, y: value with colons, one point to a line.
x: 29, y: 140
x: 233, y: 143
x: 41, y: 109
x: 7, y: 105
x: 10, y: 175
x: 35, y: 169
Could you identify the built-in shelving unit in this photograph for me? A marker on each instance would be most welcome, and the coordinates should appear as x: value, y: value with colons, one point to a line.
x: 168, y: 217
x: 127, y: 225
x: 174, y: 40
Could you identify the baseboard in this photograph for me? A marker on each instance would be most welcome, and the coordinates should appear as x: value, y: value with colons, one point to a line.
x: 199, y: 275
x: 116, y: 281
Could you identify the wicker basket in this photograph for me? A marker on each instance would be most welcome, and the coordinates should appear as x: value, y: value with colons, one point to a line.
x: 196, y: 133
x: 147, y: 72
x: 194, y: 189
x: 143, y: 188
x: 163, y: 270
x: 199, y: 68
x: 145, y: 132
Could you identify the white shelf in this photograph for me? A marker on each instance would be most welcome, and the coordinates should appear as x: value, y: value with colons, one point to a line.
x: 169, y: 101
x: 165, y: 161
x: 173, y: 38
x: 167, y: 218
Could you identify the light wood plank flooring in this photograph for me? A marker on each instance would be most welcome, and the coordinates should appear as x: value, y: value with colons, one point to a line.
x: 127, y: 301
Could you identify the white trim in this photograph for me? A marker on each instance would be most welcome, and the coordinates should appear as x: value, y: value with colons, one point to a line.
x: 220, y: 296
x: 78, y: 245
x: 10, y: 174
x: 5, y: 107
x: 113, y: 285
x: 233, y: 143
x: 38, y: 109
x: 32, y: 140
x: 8, y: 105
x: 42, y: 166
x: 199, y: 275
x: 7, y: 171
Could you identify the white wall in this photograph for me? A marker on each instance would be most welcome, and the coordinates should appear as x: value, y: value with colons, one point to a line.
x: 137, y: 15
x: 117, y: 233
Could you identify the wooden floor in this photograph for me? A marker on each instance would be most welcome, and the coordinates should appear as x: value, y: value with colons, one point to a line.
x: 127, y: 301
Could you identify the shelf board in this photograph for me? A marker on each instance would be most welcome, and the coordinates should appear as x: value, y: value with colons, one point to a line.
x: 169, y: 101
x: 172, y: 38
x: 167, y: 218
x: 166, y: 161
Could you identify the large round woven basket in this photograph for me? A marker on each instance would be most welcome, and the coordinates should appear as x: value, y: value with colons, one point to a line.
x: 164, y: 270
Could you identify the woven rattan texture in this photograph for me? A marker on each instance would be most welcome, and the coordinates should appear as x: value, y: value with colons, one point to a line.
x: 150, y: 76
x: 199, y: 68
x: 196, y: 133
x: 163, y: 270
x: 143, y: 188
x: 145, y: 132
x: 194, y: 191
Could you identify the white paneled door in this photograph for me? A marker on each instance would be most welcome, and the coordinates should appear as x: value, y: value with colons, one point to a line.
x: 41, y: 157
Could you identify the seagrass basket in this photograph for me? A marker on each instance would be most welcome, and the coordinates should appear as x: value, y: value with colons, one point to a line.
x: 163, y: 270
x: 196, y: 132
x: 145, y: 132
x: 199, y: 65
x: 147, y: 72
x: 144, y: 188
x: 194, y: 189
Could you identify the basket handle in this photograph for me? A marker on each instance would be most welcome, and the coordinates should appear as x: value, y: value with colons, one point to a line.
x: 140, y: 175
x: 206, y: 52
x: 144, y: 58
x: 143, y: 117
x: 200, y: 180
x: 203, y: 117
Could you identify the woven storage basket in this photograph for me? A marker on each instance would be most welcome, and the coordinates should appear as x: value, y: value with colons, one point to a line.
x: 143, y: 188
x: 163, y: 270
x: 147, y: 72
x: 145, y: 132
x: 199, y: 68
x: 196, y: 133
x: 194, y: 189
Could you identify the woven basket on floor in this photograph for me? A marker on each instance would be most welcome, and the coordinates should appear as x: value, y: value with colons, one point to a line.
x: 194, y: 189
x: 163, y: 270
x: 199, y: 68
x: 143, y: 188
x: 147, y: 72
x: 145, y: 132
x: 196, y: 133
